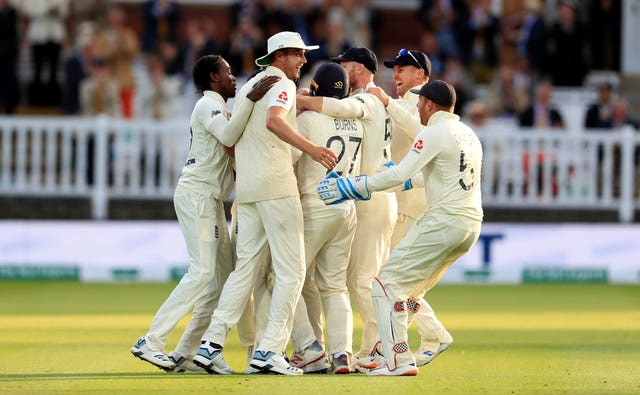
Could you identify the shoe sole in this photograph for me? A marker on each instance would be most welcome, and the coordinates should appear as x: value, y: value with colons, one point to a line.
x: 209, y: 367
x: 342, y: 370
x: 324, y: 355
x: 412, y: 372
x: 269, y: 368
x: 140, y: 355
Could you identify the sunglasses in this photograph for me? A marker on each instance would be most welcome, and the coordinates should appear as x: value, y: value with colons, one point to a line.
x: 405, y: 51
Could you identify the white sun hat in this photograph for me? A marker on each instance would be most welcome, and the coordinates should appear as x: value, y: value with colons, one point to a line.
x: 283, y: 40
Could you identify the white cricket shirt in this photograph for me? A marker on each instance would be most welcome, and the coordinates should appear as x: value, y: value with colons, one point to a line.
x: 449, y: 155
x: 208, y: 169
x: 341, y: 135
x: 405, y: 127
x: 264, y: 166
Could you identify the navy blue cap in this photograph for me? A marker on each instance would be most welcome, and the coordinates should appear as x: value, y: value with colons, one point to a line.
x: 439, y: 92
x: 363, y: 56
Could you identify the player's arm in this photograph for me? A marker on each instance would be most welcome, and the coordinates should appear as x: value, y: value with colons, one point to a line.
x: 338, y: 108
x: 229, y: 131
x: 334, y: 189
x: 278, y: 125
x: 406, y: 121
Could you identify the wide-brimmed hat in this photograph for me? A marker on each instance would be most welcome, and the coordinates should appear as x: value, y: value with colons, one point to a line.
x: 283, y: 40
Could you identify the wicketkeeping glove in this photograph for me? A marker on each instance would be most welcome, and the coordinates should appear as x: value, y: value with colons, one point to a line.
x: 335, y: 189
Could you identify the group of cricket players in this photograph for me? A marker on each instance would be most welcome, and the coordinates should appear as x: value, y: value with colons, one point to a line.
x: 342, y: 194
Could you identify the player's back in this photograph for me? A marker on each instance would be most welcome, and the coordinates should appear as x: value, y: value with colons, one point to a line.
x: 452, y: 178
x: 376, y: 145
x: 342, y: 135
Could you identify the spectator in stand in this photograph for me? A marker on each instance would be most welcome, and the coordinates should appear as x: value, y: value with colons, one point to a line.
x: 247, y: 41
x: 603, y: 28
x: 355, y: 18
x: 506, y: 97
x: 157, y: 96
x: 476, y: 114
x: 76, y: 65
x: 160, y: 19
x: 621, y: 116
x: 430, y: 46
x: 568, y: 57
x: 45, y: 33
x: 449, y: 19
x: 541, y: 114
x: 599, y: 114
x: 456, y: 75
x: 198, y: 44
x: 480, y: 47
x: 99, y: 92
x: 118, y: 45
x: 9, y: 54
x: 89, y: 11
x: 533, y: 39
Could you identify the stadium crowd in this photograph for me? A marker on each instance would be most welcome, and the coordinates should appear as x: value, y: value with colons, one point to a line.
x: 78, y: 57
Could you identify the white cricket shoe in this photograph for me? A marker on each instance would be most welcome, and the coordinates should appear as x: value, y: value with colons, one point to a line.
x: 183, y: 365
x: 312, y: 359
x: 383, y: 370
x: 373, y: 360
x: 270, y: 362
x: 210, y: 358
x: 423, y: 357
x: 157, y: 358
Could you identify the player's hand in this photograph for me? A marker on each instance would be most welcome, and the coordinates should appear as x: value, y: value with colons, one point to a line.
x: 380, y: 94
x: 261, y: 87
x: 334, y: 189
x: 324, y: 156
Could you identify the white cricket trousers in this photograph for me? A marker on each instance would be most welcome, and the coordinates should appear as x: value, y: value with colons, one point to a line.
x: 328, y: 236
x: 415, y: 266
x: 204, y: 227
x: 370, y: 249
x: 277, y: 224
x: 431, y: 330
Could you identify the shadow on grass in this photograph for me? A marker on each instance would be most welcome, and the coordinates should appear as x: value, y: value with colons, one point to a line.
x: 92, y: 376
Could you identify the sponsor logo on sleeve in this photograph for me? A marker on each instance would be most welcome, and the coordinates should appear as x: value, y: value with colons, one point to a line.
x: 417, y: 146
x: 215, y: 112
x: 283, y: 98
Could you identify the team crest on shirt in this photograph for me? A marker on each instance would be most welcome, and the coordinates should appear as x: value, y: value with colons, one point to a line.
x: 283, y: 97
x: 417, y: 146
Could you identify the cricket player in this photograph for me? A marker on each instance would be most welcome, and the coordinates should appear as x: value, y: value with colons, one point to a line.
x: 449, y: 156
x: 328, y: 230
x: 411, y: 70
x: 269, y: 211
x: 376, y: 217
x: 206, y: 181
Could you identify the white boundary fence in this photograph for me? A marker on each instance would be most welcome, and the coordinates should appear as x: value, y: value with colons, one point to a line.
x: 102, y: 159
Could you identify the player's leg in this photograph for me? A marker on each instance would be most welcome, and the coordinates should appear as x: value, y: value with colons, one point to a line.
x: 197, y: 215
x: 236, y: 291
x: 416, y: 265
x: 403, y: 224
x: 284, y: 229
x: 369, y: 250
x: 205, y: 305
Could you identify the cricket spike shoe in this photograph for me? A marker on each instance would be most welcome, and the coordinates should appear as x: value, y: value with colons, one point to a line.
x: 157, y: 358
x: 183, y: 365
x: 423, y: 357
x: 383, y: 370
x: 270, y: 362
x: 312, y: 359
x: 210, y: 358
x: 341, y: 364
x: 373, y: 360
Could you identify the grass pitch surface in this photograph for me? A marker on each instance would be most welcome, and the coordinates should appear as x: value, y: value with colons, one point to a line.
x: 59, y: 337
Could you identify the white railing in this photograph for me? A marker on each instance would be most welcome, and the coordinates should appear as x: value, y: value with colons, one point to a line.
x: 102, y: 159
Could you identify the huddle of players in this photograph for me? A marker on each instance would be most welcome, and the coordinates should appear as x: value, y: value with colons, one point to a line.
x: 351, y: 128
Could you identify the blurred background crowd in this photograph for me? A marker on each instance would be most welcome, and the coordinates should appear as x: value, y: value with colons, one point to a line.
x: 133, y: 59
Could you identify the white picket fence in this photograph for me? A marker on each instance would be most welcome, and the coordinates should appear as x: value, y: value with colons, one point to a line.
x: 102, y: 159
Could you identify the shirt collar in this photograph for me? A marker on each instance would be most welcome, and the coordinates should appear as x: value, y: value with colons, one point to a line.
x: 441, y: 116
x: 363, y: 90
x: 273, y: 70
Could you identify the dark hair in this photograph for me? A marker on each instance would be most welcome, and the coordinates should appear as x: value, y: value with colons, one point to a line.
x: 201, y: 69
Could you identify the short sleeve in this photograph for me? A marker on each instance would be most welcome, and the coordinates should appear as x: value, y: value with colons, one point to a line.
x: 282, y: 94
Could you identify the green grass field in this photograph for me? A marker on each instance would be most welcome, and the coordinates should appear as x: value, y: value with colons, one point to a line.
x: 60, y: 337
